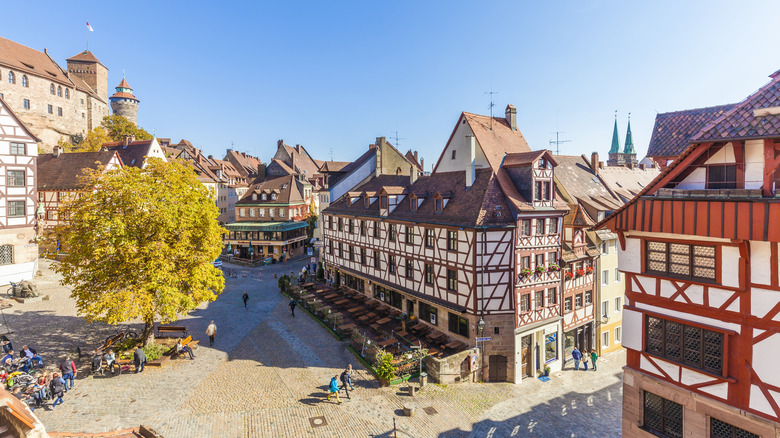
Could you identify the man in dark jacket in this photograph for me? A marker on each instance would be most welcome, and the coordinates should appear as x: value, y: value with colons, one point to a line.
x: 68, y: 369
x: 292, y: 307
x: 139, y: 359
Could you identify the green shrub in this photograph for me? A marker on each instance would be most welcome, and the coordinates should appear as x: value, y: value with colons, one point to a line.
x: 384, y: 365
x: 127, y: 344
x: 284, y: 283
x: 154, y: 351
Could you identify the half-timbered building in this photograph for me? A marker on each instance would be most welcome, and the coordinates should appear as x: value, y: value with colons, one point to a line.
x: 18, y: 226
x: 699, y: 251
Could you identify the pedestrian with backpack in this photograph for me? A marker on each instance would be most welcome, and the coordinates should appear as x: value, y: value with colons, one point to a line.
x: 334, y: 389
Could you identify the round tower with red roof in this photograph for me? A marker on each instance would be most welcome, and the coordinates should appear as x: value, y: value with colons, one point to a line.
x: 124, y: 103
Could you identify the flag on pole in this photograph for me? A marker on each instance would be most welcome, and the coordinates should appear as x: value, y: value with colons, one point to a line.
x: 90, y: 27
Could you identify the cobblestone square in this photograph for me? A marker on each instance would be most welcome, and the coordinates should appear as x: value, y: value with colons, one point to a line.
x: 267, y: 375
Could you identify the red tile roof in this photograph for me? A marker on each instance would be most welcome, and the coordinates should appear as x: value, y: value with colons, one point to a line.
x: 64, y: 172
x: 289, y: 190
x: 124, y: 84
x: 672, y: 131
x: 741, y: 123
x: 123, y: 95
x: 23, y: 59
x: 85, y: 56
x: 525, y: 158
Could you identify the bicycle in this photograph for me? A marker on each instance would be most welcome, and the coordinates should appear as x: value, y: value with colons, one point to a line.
x: 122, y: 332
x: 230, y: 272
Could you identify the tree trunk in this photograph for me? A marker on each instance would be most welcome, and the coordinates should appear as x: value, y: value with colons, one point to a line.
x: 148, y: 334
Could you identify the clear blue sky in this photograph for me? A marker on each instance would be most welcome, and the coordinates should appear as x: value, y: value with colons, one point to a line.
x: 335, y: 75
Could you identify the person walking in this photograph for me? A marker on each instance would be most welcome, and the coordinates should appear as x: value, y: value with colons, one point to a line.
x: 245, y: 297
x: 211, y: 331
x: 585, y: 358
x: 594, y: 357
x: 576, y: 355
x: 344, y: 377
x: 57, y: 388
x: 68, y: 369
x: 292, y: 307
x: 334, y: 388
x: 139, y: 359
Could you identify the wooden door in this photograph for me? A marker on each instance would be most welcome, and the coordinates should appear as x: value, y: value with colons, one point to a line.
x: 525, y: 352
x: 497, y: 367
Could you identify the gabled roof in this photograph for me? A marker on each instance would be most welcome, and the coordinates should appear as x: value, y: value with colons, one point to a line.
x: 333, y: 166
x: 577, y: 217
x: 85, y: 56
x: 289, y: 189
x: 7, y: 109
x: 63, y: 172
x: 526, y: 158
x: 133, y: 154
x: 481, y: 205
x: 410, y: 157
x: 627, y: 182
x: 346, y: 170
x: 581, y: 183
x: 83, y: 86
x: 245, y: 163
x: 673, y: 131
x: 23, y: 59
x: 297, y: 158
x: 740, y: 122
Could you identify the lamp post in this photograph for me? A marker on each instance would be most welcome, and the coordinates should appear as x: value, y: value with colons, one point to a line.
x: 481, y: 331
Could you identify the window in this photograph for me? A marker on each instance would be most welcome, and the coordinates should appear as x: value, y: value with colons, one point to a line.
x: 578, y: 301
x: 51, y: 89
x: 349, y: 226
x: 330, y: 222
x: 525, y: 262
x: 260, y: 212
x: 428, y: 313
x: 539, y: 260
x: 376, y: 229
x: 618, y: 335
x: 391, y: 264
x: 452, y: 240
x: 26, y: 103
x: 391, y: 233
x: 241, y: 212
x: 617, y: 275
x: 264, y: 196
x: 550, y: 347
x: 439, y: 205
x: 383, y: 201
x: 552, y: 257
x: 413, y: 204
x: 721, y: 429
x: 67, y: 94
x: 552, y: 296
x: 50, y: 109
x: 618, y: 304
x: 685, y: 344
x: 409, y: 269
x: 605, y: 308
x: 51, y: 215
x: 539, y: 299
x: 605, y: 277
x: 525, y: 227
x: 428, y: 274
x: 525, y: 302
x: 330, y: 247
x: 340, y: 223
x: 452, y: 280
x: 458, y: 324
x: 11, y: 77
x: 553, y: 226
x: 681, y: 260
x: 542, y: 191
x: 377, y: 260
x: 59, y: 111
x: 409, y: 234
x: 271, y: 212
x: 59, y: 91
x: 540, y: 226
x: 722, y: 176
x: 605, y: 339
x: 588, y: 297
x: 6, y: 255
x: 362, y: 256
x: 567, y: 304
x: 341, y: 250
x: 453, y: 153
x: 351, y: 253
x: 605, y: 247
x: 15, y: 178
x: 662, y: 416
x: 25, y: 82
x: 15, y: 208
x: 429, y: 238
x: 273, y: 196
x: 251, y: 212
x: 362, y: 228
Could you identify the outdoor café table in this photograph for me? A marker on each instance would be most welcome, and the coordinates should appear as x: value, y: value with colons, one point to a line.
x: 454, y: 345
x: 402, y: 333
x: 347, y: 326
x: 331, y: 296
x: 342, y: 302
x: 371, y: 315
x: 383, y: 321
x: 417, y: 327
x: 355, y: 309
x: 390, y: 341
x: 433, y: 337
x: 308, y: 285
x: 374, y: 304
x: 364, y: 318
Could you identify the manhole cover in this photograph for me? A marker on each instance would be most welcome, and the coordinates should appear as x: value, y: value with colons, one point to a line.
x: 430, y: 410
x: 317, y: 421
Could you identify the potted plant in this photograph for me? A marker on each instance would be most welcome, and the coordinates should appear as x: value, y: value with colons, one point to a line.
x: 580, y: 272
x: 540, y: 270
x: 385, y: 370
x: 553, y: 267
x: 569, y: 275
x: 525, y: 272
x: 546, y: 370
x: 589, y: 269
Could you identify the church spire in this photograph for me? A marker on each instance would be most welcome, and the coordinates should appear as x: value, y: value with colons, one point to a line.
x: 615, y: 149
x: 629, y: 148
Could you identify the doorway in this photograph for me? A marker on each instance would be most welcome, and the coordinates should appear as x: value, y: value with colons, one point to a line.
x: 525, y: 353
x: 497, y: 368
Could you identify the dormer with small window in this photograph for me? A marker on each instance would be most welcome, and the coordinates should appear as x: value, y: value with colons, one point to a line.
x: 413, y: 202
x: 532, y: 173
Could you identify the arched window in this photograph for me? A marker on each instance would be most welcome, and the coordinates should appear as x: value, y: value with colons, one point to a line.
x: 51, y: 88
x: 59, y: 91
x: 11, y: 78
x: 67, y: 94
x: 25, y: 83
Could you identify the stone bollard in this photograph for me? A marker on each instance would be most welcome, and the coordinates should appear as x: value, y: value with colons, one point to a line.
x: 411, y: 390
x: 409, y: 409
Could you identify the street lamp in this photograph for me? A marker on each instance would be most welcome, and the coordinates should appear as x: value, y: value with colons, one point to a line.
x: 481, y: 331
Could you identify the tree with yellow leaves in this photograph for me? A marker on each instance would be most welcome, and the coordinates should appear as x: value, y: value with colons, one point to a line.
x: 90, y: 143
x: 141, y: 245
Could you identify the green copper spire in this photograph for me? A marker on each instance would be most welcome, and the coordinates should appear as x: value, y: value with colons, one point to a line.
x: 629, y: 149
x: 615, y: 149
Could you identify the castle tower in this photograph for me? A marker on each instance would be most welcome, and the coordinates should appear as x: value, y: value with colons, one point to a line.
x: 124, y: 103
x: 614, y: 150
x: 86, y: 67
x: 629, y: 153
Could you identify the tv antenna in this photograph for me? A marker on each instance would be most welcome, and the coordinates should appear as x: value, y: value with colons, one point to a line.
x: 331, y: 154
x: 492, y: 104
x: 557, y: 142
x: 397, y: 138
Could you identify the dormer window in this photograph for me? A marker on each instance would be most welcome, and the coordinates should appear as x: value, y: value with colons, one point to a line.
x: 542, y: 163
x: 413, y: 203
x: 542, y: 191
x: 439, y: 205
x: 273, y: 196
x: 366, y: 201
x: 383, y: 201
x: 264, y: 197
x: 254, y: 196
x: 722, y: 176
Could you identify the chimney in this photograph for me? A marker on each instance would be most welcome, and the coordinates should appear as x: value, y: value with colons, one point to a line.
x: 470, y: 170
x: 511, y: 116
x: 412, y: 174
x: 126, y: 140
x: 380, y: 141
x: 594, y: 162
x: 630, y: 165
x: 422, y: 166
x: 641, y: 166
x: 415, y: 157
x: 601, y: 164
x: 57, y: 151
x: 261, y: 170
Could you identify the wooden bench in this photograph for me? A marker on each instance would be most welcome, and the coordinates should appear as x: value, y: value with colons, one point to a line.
x: 171, y: 332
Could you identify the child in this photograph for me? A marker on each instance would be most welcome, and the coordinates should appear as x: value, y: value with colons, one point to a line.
x: 334, y: 388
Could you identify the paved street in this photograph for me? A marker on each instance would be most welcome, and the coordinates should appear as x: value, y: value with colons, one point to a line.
x: 268, y: 372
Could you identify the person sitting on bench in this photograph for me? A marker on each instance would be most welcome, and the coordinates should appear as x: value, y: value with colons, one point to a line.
x: 110, y: 358
x: 32, y: 355
x: 184, y: 348
x: 97, y: 364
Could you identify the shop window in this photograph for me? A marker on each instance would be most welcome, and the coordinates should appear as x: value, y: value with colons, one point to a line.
x: 550, y: 347
x: 428, y: 313
x: 458, y: 324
